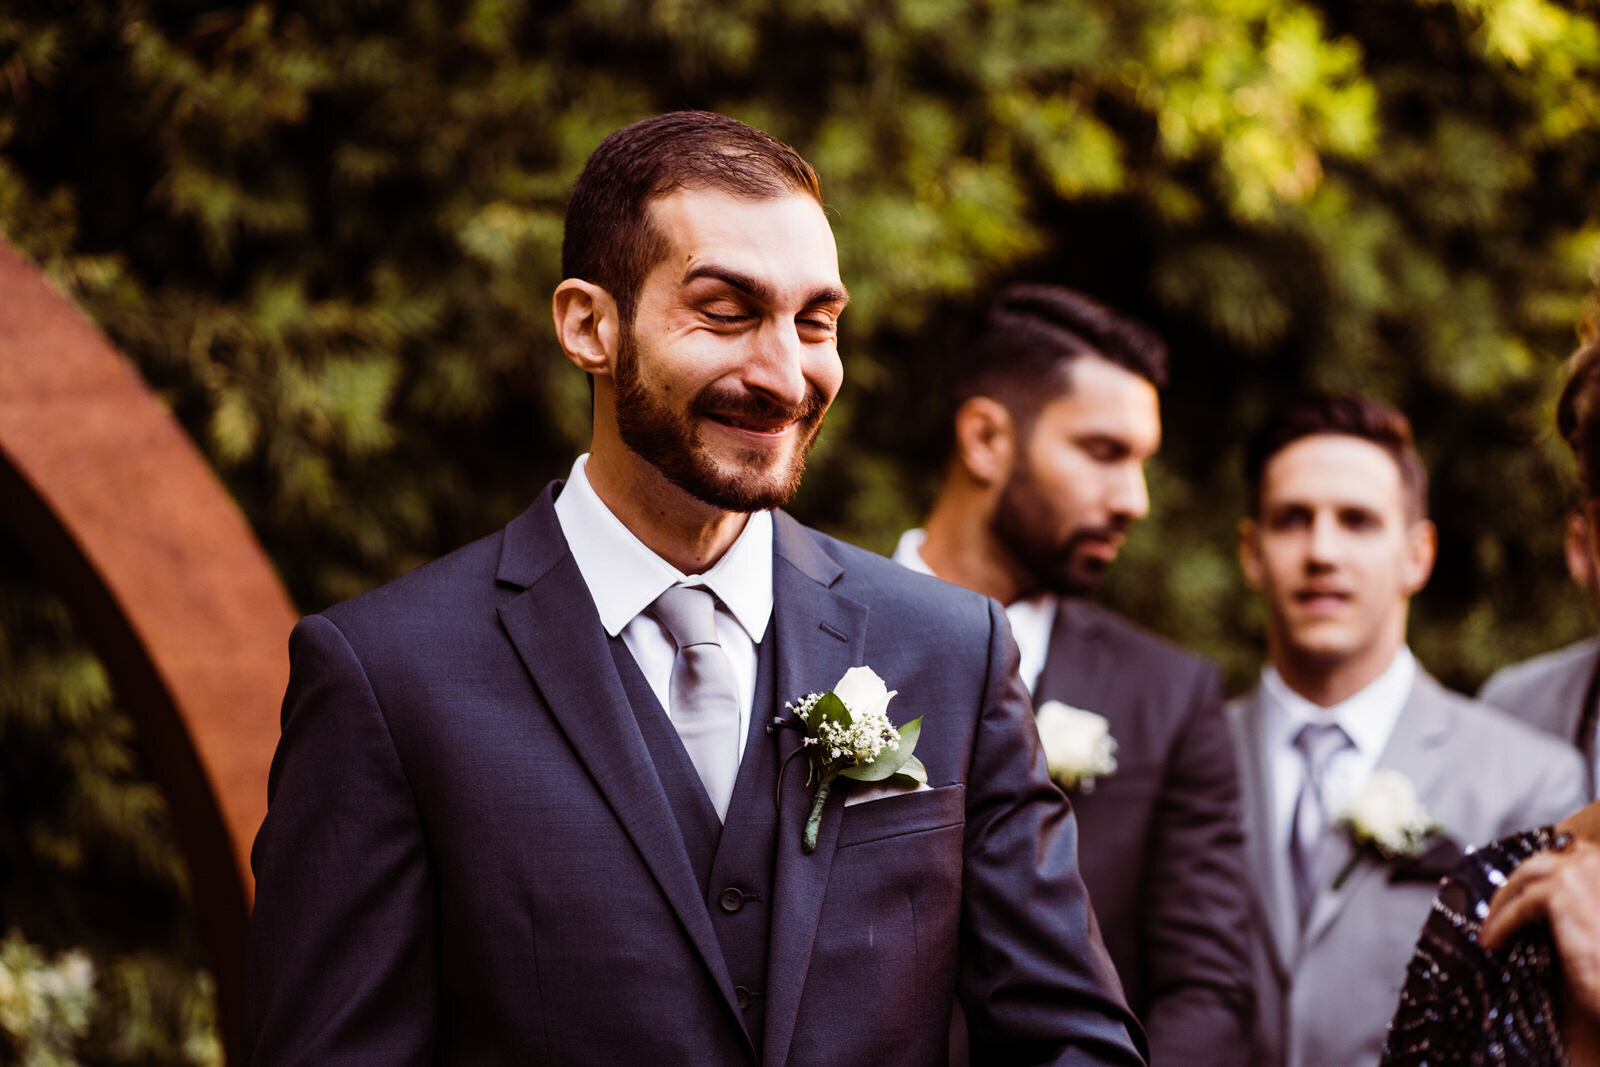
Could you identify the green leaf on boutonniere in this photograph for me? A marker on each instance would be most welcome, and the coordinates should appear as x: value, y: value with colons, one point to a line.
x: 829, y: 709
x: 897, y: 763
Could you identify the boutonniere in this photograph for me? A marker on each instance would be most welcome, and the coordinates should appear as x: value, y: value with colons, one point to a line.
x: 1077, y: 744
x: 1385, y: 820
x: 848, y: 734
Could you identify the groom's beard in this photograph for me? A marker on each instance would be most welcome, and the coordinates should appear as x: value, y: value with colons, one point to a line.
x: 747, y: 479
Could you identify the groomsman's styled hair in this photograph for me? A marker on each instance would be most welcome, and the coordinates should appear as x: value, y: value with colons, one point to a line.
x: 1578, y: 411
x: 609, y: 240
x: 1347, y: 415
x: 1022, y: 351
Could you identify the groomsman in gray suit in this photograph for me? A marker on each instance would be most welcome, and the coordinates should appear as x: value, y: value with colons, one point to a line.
x: 1559, y: 692
x: 1338, y: 544
x: 1055, y: 414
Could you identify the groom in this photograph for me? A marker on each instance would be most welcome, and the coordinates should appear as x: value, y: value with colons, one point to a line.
x: 526, y: 808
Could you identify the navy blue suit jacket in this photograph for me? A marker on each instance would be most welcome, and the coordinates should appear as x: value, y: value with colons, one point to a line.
x: 1163, y: 852
x: 469, y: 856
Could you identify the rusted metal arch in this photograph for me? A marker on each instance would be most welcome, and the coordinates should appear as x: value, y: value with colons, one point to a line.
x: 163, y: 577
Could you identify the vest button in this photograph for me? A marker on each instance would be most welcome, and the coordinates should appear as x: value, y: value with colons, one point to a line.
x: 742, y: 995
x: 731, y: 900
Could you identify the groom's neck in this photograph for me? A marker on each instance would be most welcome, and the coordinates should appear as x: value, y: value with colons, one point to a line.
x: 680, y: 528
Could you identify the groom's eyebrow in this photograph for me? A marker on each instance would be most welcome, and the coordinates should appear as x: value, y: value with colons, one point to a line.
x: 760, y: 290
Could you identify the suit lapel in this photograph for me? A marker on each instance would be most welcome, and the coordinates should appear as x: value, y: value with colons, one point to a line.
x: 1572, y: 698
x: 820, y: 635
x: 1423, y: 726
x: 1271, y: 885
x: 1078, y: 663
x: 558, y: 635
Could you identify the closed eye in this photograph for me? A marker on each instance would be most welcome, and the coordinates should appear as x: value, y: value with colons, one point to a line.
x: 825, y: 327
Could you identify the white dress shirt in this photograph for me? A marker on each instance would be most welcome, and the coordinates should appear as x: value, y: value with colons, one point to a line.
x: 1368, y: 718
x: 1032, y: 618
x: 624, y: 577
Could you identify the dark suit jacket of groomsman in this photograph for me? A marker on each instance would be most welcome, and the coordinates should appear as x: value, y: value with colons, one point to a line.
x: 1162, y: 851
x: 485, y: 844
x: 1555, y: 692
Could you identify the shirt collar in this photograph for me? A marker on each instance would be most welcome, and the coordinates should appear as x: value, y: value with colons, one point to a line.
x: 1368, y: 717
x: 1032, y: 618
x: 908, y: 552
x: 624, y: 577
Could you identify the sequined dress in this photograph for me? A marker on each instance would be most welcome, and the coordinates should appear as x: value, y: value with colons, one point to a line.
x: 1464, y: 1006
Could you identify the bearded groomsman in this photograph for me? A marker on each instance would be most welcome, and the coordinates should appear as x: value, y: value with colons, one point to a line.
x: 1346, y: 721
x: 1055, y: 416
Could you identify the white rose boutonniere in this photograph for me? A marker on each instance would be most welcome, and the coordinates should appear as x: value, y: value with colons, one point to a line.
x: 1077, y: 743
x: 848, y: 733
x: 1385, y: 820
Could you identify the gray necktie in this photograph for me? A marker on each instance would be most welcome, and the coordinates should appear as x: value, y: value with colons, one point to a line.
x: 703, y: 696
x: 1310, y: 840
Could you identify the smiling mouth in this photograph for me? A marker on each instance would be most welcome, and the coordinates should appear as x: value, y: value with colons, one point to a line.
x: 769, y: 426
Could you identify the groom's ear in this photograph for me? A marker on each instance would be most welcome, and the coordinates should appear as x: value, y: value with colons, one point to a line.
x: 587, y: 325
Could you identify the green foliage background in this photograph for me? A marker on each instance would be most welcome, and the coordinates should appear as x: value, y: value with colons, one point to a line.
x: 327, y: 234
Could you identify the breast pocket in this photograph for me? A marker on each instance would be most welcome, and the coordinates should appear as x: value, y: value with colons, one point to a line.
x: 891, y: 916
x: 903, y: 814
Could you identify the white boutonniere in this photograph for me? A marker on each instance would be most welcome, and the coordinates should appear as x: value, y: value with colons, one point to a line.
x: 848, y: 734
x: 1385, y: 820
x: 1077, y: 743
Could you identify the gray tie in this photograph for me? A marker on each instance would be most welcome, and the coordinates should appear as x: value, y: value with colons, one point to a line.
x: 1310, y: 841
x: 703, y: 696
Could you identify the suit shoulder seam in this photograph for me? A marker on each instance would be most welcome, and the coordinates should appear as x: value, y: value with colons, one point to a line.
x: 377, y: 704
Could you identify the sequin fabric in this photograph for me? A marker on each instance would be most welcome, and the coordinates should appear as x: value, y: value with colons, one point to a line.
x: 1464, y: 1007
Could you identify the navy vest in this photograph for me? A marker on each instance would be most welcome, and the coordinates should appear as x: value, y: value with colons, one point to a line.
x: 733, y: 861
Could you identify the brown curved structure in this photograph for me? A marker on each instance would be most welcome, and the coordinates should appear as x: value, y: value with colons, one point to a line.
x: 164, y: 578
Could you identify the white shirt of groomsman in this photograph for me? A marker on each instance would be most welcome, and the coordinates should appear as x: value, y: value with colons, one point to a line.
x: 1368, y: 718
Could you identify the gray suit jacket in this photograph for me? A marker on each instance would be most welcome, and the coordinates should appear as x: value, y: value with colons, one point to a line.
x: 1324, y: 997
x: 1548, y: 691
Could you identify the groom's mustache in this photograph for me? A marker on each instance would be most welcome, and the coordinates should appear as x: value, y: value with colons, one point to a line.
x: 736, y: 404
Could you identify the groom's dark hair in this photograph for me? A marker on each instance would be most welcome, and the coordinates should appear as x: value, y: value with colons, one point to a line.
x: 609, y: 240
x: 1022, y: 349
x: 1346, y: 415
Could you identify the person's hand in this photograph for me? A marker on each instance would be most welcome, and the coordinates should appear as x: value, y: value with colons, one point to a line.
x: 1561, y: 887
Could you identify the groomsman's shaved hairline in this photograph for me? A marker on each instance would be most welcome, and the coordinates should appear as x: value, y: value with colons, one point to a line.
x: 1027, y: 340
